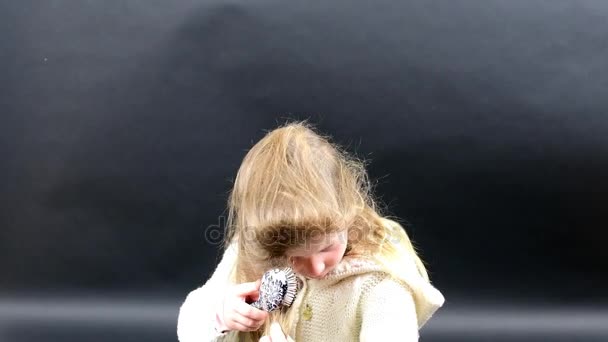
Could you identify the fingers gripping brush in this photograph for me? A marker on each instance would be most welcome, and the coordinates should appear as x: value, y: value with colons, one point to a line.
x: 278, y: 288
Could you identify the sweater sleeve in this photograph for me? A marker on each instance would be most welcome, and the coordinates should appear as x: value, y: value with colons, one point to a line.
x: 197, y: 315
x: 389, y: 313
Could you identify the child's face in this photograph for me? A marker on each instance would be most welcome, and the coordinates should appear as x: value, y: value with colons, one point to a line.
x: 319, y: 257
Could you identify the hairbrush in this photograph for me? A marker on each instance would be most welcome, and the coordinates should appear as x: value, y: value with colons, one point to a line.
x: 278, y: 288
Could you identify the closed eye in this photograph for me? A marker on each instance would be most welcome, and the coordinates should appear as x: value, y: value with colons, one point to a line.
x: 328, y: 248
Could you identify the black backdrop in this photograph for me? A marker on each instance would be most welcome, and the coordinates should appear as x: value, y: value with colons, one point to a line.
x: 485, y: 124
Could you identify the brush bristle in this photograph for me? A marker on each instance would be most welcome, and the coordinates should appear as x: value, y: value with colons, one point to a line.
x: 292, y: 287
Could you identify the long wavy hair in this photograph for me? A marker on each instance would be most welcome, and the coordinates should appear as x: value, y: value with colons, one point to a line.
x: 295, y: 183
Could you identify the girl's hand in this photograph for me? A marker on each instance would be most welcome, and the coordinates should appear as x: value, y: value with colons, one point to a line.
x: 235, y: 314
x: 276, y: 335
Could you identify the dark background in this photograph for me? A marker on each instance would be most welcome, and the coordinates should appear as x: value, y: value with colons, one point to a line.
x: 122, y: 124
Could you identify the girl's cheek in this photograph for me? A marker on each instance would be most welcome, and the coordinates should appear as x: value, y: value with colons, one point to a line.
x: 334, y: 261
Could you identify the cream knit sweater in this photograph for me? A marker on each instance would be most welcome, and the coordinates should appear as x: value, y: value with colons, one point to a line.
x: 355, y: 302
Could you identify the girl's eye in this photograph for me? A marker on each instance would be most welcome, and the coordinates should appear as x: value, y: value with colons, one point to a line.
x: 327, y: 248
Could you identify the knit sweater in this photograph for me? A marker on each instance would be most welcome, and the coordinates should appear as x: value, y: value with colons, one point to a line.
x: 355, y: 301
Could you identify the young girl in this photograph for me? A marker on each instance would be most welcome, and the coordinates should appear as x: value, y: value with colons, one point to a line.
x: 300, y: 201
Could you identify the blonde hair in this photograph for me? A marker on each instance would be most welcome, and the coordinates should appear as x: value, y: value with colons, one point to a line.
x: 293, y: 183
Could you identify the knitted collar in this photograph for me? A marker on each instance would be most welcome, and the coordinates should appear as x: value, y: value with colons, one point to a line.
x: 349, y: 266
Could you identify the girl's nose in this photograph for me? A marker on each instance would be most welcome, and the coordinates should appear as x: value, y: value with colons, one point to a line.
x: 317, y: 267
